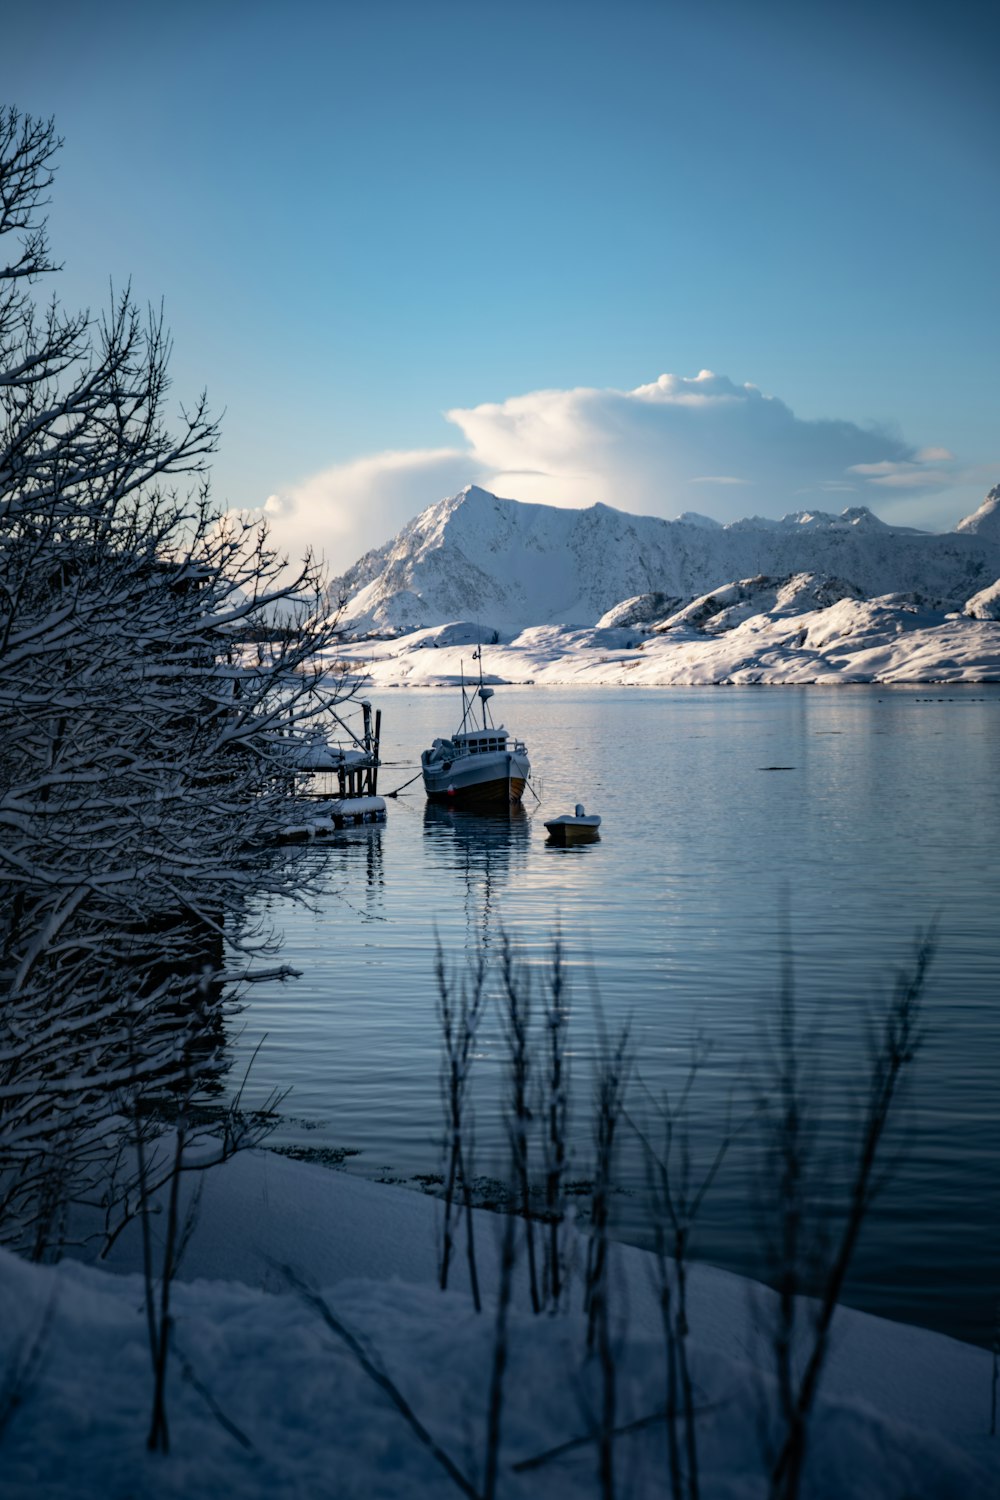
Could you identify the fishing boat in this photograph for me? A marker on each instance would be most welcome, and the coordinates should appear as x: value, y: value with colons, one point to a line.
x: 480, y: 765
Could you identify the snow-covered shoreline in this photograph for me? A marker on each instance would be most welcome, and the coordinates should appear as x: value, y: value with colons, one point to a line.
x: 853, y: 642
x: 904, y: 1410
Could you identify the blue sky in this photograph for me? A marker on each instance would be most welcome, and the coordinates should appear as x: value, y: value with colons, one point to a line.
x: 362, y: 217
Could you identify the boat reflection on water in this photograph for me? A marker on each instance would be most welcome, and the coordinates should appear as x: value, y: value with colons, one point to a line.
x: 363, y: 851
x: 482, y: 848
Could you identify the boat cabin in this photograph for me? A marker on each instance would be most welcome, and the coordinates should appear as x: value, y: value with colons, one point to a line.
x: 480, y: 741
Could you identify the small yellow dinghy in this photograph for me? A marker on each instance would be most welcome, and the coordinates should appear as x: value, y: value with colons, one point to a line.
x: 574, y: 828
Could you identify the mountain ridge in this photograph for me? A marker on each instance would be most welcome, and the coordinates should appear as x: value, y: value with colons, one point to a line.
x: 513, y: 565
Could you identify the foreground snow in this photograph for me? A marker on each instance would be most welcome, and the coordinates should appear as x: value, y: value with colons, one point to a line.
x: 264, y: 1400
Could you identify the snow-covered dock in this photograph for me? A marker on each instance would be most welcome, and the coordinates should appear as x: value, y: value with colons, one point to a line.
x: 341, y: 788
x: 327, y: 817
x: 344, y: 774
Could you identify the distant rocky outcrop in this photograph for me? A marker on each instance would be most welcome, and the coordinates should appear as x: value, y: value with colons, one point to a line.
x: 984, y: 522
x: 985, y: 605
x: 644, y: 609
x: 725, y: 608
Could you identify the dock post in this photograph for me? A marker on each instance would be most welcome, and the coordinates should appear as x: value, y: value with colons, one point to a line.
x: 378, y: 736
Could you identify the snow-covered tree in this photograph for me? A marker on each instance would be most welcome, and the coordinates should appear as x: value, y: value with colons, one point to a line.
x: 157, y: 676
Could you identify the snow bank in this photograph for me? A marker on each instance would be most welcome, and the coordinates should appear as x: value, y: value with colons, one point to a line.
x: 904, y: 1411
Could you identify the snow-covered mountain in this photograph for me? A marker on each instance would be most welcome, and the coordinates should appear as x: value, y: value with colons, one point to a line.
x: 510, y: 566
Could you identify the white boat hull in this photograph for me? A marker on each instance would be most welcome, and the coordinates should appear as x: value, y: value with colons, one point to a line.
x: 495, y: 779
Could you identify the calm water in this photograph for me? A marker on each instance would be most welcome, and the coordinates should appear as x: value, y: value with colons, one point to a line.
x: 884, y: 818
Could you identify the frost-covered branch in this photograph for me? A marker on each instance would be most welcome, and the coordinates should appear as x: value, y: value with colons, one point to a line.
x: 157, y: 682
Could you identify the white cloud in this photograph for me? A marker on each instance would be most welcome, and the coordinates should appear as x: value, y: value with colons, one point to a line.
x: 907, y: 475
x: 641, y: 450
x: 720, y: 479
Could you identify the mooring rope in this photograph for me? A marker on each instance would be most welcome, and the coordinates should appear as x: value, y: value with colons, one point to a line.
x: 404, y: 786
x: 412, y: 779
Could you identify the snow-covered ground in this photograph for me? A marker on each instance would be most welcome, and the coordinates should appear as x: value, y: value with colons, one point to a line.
x: 265, y: 1400
x: 718, y: 639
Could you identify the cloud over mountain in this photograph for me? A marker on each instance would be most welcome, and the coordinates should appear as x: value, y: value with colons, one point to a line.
x: 702, y: 443
x: 645, y: 448
x: 348, y: 508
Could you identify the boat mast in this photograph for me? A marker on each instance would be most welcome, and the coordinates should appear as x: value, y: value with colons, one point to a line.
x: 466, y: 705
x: 482, y: 700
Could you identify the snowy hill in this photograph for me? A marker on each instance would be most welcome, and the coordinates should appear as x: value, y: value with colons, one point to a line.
x: 510, y: 566
x: 742, y: 634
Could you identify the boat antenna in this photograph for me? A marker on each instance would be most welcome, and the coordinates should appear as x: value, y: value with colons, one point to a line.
x: 485, y: 693
x: 466, y: 704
